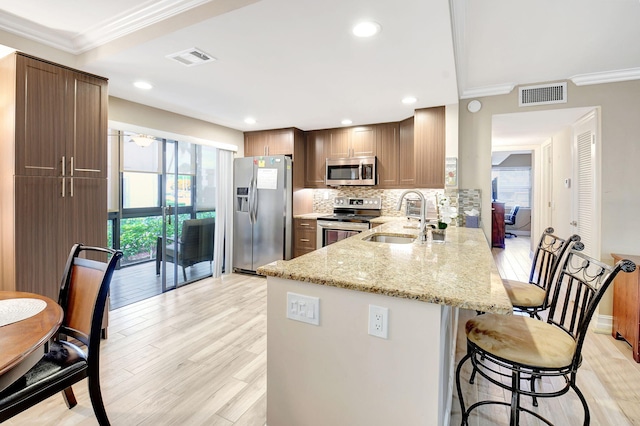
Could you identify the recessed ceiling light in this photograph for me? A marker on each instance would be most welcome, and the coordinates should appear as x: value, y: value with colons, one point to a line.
x: 346, y: 121
x: 366, y: 29
x: 250, y: 120
x: 409, y: 100
x: 143, y: 85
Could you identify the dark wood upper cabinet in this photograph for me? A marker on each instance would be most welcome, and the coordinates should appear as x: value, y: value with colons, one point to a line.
x: 388, y: 150
x: 87, y: 101
x: 269, y: 142
x: 316, y: 149
x: 363, y: 141
x: 407, y: 172
x: 339, y: 143
x: 352, y: 142
x: 59, y: 120
x: 410, y: 154
x: 429, y: 147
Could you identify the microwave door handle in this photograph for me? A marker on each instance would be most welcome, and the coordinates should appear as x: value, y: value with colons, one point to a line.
x: 361, y: 170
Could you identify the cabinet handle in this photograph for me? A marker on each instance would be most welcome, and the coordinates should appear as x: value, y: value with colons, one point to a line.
x: 71, y: 186
x: 304, y: 240
x: 63, y: 187
x: 305, y: 224
x: 64, y: 164
x: 72, y: 171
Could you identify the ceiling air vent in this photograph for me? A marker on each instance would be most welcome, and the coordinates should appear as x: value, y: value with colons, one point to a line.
x: 543, y: 94
x: 192, y: 57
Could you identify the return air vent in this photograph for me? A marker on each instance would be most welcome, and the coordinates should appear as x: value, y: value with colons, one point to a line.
x: 191, y: 57
x: 543, y: 94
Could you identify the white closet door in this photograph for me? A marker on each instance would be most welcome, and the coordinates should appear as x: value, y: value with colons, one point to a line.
x: 586, y: 211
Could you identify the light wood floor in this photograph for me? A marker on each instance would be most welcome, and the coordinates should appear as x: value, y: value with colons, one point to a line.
x: 197, y: 356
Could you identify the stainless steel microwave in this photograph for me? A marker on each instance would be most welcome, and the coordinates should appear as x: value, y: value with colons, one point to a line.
x: 351, y: 171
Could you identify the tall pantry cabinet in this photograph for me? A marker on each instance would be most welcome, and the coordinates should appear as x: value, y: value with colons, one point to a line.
x: 53, y: 170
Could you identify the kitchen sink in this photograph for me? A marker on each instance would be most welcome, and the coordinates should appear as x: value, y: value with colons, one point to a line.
x: 390, y: 238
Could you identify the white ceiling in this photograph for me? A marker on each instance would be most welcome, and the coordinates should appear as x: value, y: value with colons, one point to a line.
x: 295, y: 63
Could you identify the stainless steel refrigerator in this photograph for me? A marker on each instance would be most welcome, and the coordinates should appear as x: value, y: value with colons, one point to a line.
x: 262, y: 227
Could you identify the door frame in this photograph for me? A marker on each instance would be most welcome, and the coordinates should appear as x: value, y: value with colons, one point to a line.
x: 589, y: 122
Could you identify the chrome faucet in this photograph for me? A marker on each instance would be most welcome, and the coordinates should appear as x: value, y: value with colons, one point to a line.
x: 423, y: 211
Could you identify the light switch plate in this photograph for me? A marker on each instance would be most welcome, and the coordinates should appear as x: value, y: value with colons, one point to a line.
x: 303, y: 308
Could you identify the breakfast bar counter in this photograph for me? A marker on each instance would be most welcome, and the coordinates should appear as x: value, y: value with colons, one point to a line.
x: 459, y: 273
x: 324, y: 365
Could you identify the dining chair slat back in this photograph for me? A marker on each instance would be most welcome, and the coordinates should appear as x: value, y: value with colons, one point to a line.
x: 83, y: 296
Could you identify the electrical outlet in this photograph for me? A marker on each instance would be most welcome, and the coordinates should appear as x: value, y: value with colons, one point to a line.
x: 379, y: 321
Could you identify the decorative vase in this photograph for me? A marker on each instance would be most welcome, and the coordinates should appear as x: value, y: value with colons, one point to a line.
x: 438, y: 235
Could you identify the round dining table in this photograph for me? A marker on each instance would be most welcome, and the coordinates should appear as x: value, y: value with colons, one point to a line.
x: 24, y: 342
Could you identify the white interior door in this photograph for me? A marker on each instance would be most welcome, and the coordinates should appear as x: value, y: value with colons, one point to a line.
x: 586, y: 203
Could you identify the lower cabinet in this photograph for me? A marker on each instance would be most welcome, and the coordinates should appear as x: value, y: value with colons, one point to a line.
x: 52, y: 214
x: 497, y: 225
x: 304, y: 236
x: 626, y: 305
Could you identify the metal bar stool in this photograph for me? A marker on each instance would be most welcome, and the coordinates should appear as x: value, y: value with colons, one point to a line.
x: 514, y: 351
x: 533, y: 296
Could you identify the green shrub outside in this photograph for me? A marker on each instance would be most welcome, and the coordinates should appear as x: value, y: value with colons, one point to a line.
x: 138, y: 236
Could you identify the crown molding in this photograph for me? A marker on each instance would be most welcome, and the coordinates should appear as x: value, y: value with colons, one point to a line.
x: 29, y: 30
x: 606, y: 77
x: 103, y: 32
x: 499, y: 89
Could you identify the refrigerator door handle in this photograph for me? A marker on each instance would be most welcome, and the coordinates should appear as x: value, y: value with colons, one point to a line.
x: 252, y: 202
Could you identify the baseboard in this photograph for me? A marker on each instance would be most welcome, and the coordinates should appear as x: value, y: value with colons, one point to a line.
x: 518, y: 232
x: 602, y: 324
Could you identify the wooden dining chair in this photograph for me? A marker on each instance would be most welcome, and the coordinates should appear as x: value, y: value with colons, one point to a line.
x: 514, y: 352
x: 83, y: 294
x: 533, y: 296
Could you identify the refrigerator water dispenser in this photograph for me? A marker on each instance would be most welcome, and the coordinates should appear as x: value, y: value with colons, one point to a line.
x: 242, y: 199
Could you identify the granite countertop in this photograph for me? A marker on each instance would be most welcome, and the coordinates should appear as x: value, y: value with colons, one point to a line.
x: 310, y: 216
x: 387, y: 219
x: 460, y: 273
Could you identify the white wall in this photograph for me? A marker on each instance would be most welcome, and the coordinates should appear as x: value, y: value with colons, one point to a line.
x: 134, y: 117
x: 562, y: 167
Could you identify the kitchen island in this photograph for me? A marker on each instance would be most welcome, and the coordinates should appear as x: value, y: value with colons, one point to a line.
x: 335, y: 372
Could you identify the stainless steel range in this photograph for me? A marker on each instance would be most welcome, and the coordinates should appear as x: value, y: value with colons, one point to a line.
x: 350, y: 216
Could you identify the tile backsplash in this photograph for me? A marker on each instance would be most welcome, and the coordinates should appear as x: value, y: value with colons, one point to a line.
x: 463, y: 199
x: 323, y: 198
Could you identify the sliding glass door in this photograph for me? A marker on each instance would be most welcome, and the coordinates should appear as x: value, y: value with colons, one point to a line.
x: 189, y: 213
x: 166, y: 221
